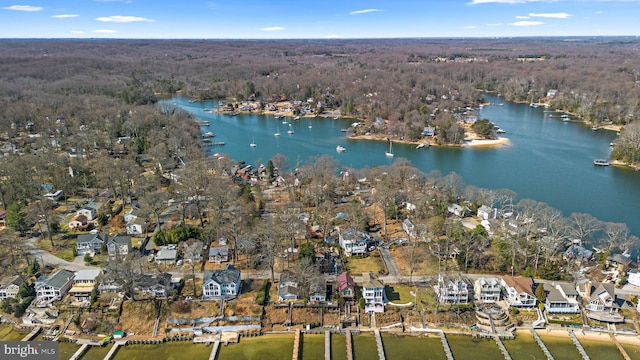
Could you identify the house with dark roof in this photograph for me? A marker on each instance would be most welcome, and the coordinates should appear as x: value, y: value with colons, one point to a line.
x: 577, y: 254
x: 225, y: 283
x: 346, y: 287
x: 137, y: 226
x: 619, y: 261
x: 118, y: 246
x: 53, y: 287
x: 166, y: 256
x: 602, y: 305
x: 90, y: 243
x: 354, y: 242
x: 153, y: 285
x: 218, y: 254
x: 317, y: 290
x: 518, y: 291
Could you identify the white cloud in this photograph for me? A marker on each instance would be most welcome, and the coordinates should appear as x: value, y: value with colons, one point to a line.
x: 77, y: 32
x: 526, y: 23
x: 24, y: 8
x: 600, y: 12
x: 273, y: 28
x: 551, y: 15
x: 469, y: 27
x: 357, y: 12
x: 520, y: 17
x: 123, y: 19
x: 65, y: 16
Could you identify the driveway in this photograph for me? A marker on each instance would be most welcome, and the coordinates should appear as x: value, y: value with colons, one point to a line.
x: 48, y: 259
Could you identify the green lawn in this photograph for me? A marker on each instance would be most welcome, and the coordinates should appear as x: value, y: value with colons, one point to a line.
x: 359, y: 265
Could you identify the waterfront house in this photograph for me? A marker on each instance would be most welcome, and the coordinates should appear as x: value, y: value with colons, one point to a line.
x: 602, y: 305
x: 487, y: 289
x: 53, y: 196
x: 219, y: 254
x: 153, y: 285
x: 429, y: 131
x: 373, y: 293
x: 9, y: 287
x: 518, y: 291
x: 225, y: 283
x: 346, y: 287
x: 487, y: 213
x: 583, y: 288
x: 118, y: 246
x: 452, y: 290
x: 288, y: 286
x: 354, y: 242
x: 558, y: 303
x: 53, y: 287
x: 619, y: 262
x: 90, y: 210
x: 166, y: 256
x: 456, y: 209
x: 577, y: 254
x: 84, y: 284
x: 90, y: 243
x: 317, y: 290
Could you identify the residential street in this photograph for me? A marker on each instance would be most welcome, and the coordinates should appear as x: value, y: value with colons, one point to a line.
x: 48, y: 259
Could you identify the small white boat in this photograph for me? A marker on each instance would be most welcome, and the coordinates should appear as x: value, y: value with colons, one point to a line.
x: 420, y: 146
x: 340, y: 148
x: 500, y: 131
x: 277, y: 133
x: 253, y: 143
x: 390, y: 152
x: 208, y: 134
x: 296, y: 118
x: 600, y: 162
x: 290, y: 131
x: 594, y: 128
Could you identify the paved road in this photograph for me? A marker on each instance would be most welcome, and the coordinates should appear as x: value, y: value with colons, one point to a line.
x: 52, y: 260
x: 389, y: 263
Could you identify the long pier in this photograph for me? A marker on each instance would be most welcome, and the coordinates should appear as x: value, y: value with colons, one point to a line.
x: 503, y: 349
x: 349, y: 345
x: 296, y: 346
x: 546, y: 351
x: 623, y: 352
x: 214, y: 350
x: 80, y: 351
x: 381, y: 355
x: 445, y: 345
x: 327, y: 345
x: 32, y: 334
x: 115, y: 347
x: 581, y: 350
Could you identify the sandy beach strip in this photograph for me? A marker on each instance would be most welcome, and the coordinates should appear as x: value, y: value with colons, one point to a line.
x: 501, y: 141
x: 591, y: 336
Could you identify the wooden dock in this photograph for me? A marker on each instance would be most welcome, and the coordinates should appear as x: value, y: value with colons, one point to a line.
x: 546, y: 351
x: 503, y: 349
x: 445, y: 345
x: 115, y: 347
x: 32, y: 334
x: 327, y: 345
x: 349, y: 345
x: 581, y: 350
x: 80, y: 351
x: 381, y: 355
x: 214, y: 350
x: 296, y: 346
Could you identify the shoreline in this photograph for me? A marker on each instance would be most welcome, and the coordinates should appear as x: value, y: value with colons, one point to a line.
x: 469, y: 141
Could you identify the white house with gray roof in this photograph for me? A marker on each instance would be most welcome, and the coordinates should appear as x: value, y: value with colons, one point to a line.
x: 9, y: 287
x: 90, y: 243
x: 53, y: 287
x: 225, y: 283
x: 90, y: 210
x: 118, y: 246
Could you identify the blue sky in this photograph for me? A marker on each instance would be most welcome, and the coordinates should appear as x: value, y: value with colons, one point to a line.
x: 280, y: 19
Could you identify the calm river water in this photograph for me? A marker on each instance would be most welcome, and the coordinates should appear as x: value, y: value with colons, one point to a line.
x: 548, y: 160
